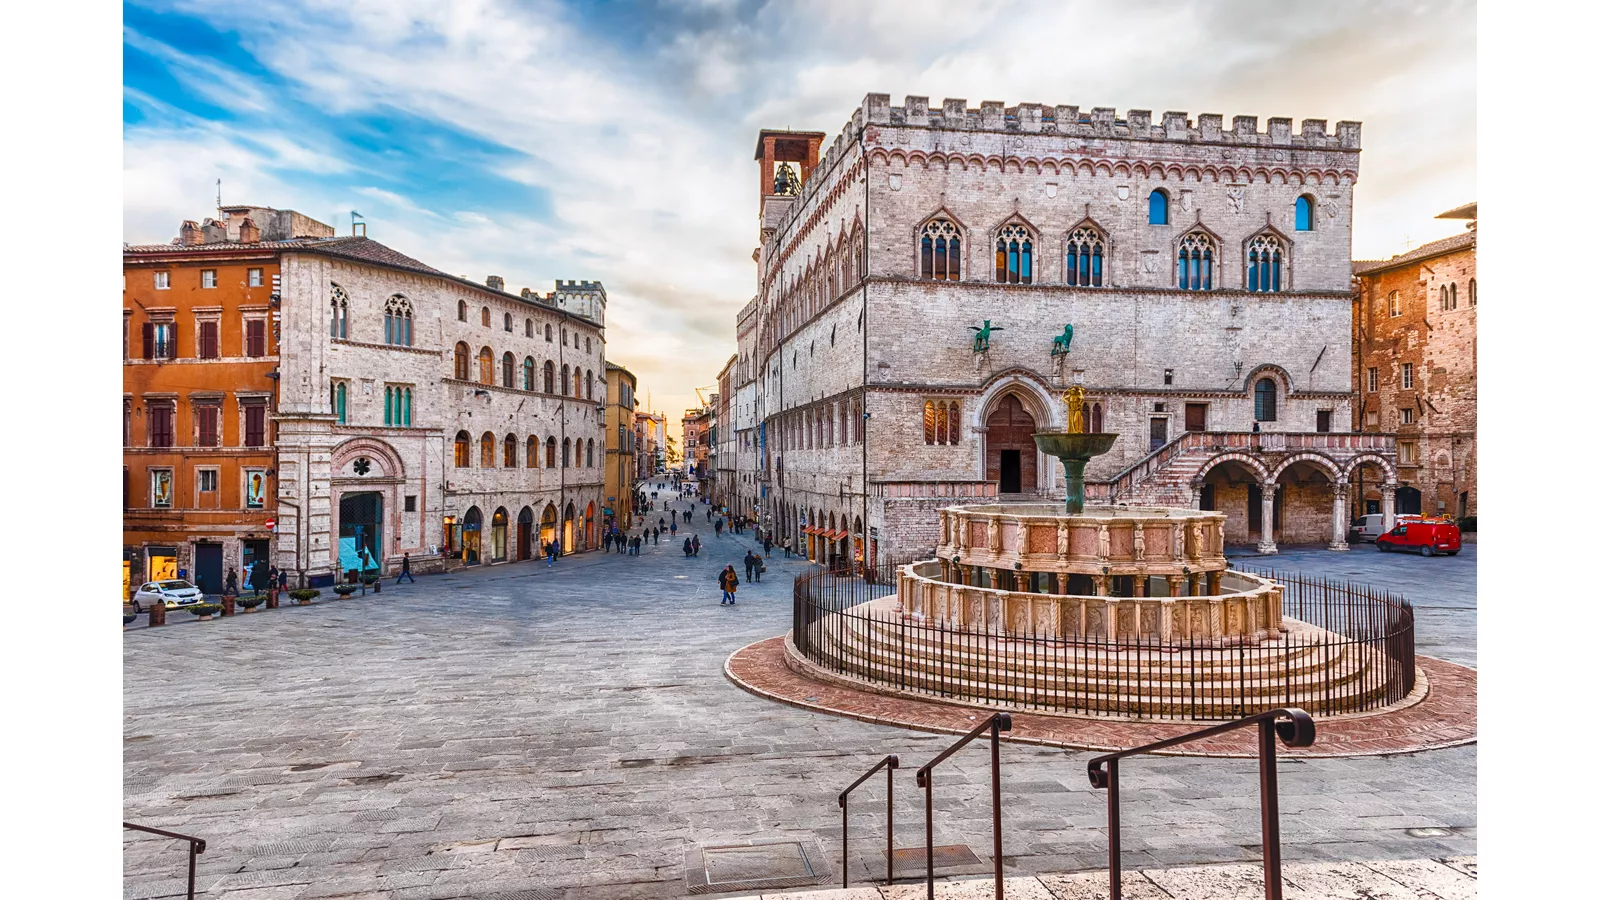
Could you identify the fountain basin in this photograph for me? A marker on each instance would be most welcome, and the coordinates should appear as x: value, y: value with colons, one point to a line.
x: 1065, y: 445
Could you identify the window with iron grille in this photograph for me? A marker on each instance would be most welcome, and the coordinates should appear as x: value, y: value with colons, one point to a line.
x: 255, y: 424
x: 161, y: 416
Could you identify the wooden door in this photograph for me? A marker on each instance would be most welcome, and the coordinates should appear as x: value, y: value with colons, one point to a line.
x: 1194, y: 417
x: 1158, y: 432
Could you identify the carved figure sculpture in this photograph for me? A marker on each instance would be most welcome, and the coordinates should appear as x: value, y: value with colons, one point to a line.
x: 1074, y: 399
x: 980, y: 341
x: 1063, y: 342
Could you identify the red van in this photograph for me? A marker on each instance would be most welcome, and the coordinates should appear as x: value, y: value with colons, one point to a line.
x: 1427, y: 536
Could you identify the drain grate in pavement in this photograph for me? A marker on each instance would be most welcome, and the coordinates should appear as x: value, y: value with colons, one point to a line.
x: 756, y: 865
x: 945, y: 856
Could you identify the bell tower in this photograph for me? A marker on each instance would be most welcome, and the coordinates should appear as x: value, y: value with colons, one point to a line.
x: 787, y: 159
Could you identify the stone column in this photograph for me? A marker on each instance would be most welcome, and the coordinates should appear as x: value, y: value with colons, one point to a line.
x: 1175, y: 585
x: 1213, y: 583
x: 1139, y: 585
x: 1388, y: 506
x: 1340, y: 519
x: 1100, y: 586
x: 1268, y: 490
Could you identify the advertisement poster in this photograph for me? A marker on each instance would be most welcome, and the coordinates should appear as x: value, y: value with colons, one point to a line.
x: 161, y: 487
x: 255, y: 489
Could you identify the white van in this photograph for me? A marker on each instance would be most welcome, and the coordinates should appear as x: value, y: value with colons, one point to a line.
x: 1369, y: 527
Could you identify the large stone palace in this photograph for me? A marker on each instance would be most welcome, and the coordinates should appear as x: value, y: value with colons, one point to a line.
x: 930, y: 284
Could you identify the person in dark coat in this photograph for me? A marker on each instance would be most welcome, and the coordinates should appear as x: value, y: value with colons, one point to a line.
x: 688, y: 547
x: 283, y: 580
x: 696, y: 540
x: 230, y: 585
x: 749, y: 566
x: 729, y: 581
x: 405, y: 569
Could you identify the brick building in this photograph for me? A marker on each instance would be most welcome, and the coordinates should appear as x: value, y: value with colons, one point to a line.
x: 1415, y: 349
x: 1205, y: 274
x: 621, y: 444
x: 650, y: 430
x: 417, y: 412
x: 697, y: 443
x: 725, y: 440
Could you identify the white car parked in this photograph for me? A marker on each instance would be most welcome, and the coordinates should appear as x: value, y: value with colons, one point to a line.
x: 1369, y: 527
x: 173, y: 594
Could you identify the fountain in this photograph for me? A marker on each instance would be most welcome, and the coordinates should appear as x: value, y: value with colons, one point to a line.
x: 1074, y: 447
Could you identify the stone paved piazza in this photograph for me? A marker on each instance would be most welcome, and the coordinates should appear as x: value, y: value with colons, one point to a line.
x: 571, y: 731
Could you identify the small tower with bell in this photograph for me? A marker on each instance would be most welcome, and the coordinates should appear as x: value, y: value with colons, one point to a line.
x: 787, y: 159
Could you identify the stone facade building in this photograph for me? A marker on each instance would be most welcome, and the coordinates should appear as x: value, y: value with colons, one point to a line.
x: 1415, y: 348
x: 650, y: 429
x: 621, y: 445
x: 916, y: 285
x: 421, y: 413
x: 697, y: 444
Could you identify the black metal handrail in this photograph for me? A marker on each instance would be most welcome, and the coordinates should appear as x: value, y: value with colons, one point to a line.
x: 994, y: 725
x: 197, y: 846
x: 892, y: 762
x: 1296, y: 729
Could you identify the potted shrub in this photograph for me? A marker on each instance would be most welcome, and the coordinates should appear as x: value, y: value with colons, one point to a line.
x: 304, y: 595
x: 204, y: 611
x: 344, y: 590
x: 251, y: 601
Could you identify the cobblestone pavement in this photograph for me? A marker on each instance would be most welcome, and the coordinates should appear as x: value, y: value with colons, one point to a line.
x: 569, y: 732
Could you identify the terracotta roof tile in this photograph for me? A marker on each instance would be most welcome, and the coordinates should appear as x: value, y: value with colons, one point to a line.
x: 1433, y: 248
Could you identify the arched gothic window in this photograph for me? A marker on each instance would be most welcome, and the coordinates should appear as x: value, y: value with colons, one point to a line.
x: 589, y: 453
x: 566, y: 375
x: 1086, y: 250
x: 486, y: 451
x: 1196, y: 254
x: 463, y: 450
x: 527, y: 328
x: 339, y: 319
x: 397, y: 321
x: 566, y: 453
x: 550, y: 452
x: 486, y: 317
x: 941, y: 422
x: 1452, y: 295
x: 1158, y: 207
x: 508, y: 371
x: 1444, y: 297
x: 508, y: 323
x: 588, y: 383
x: 1013, y: 255
x: 339, y: 396
x: 1266, y: 400
x: 1264, y: 264
x: 509, y: 461
x: 463, y: 361
x: 1304, y: 207
x: 528, y: 376
x: 548, y: 333
x: 533, y: 452
x: 1472, y: 292
x: 941, y: 251
x: 486, y: 366
x: 549, y: 376
x: 461, y: 310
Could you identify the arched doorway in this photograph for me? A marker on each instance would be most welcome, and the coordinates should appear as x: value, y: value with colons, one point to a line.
x: 547, y: 526
x: 566, y: 528
x: 525, y: 533
x: 498, y: 534
x: 360, y: 531
x: 1407, y: 501
x: 472, y: 536
x: 1234, y: 488
x: 588, y: 526
x: 1010, y: 455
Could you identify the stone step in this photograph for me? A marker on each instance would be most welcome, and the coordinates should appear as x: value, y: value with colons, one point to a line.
x: 1451, y: 878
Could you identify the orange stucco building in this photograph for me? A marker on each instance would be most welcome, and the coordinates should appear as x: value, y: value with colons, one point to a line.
x: 199, y: 390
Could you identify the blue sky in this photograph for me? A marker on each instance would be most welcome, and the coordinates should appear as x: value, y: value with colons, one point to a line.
x: 545, y: 140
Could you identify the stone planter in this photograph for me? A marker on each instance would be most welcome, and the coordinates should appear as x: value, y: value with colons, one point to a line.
x: 251, y: 609
x: 204, y: 618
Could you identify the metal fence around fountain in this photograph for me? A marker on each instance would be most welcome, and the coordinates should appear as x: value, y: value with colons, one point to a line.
x: 1363, y: 654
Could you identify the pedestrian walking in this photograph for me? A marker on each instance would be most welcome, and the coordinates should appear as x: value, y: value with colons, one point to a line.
x: 674, y: 516
x: 605, y: 542
x: 405, y: 569
x: 674, y: 527
x: 230, y: 585
x: 749, y: 566
x: 283, y: 580
x: 550, y: 554
x: 688, y: 548
x: 718, y: 527
x: 657, y: 535
x: 729, y: 580
x: 761, y: 566
x: 688, y: 515
x: 696, y: 540
x: 766, y: 546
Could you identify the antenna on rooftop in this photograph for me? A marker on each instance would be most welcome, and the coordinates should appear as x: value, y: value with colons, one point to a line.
x: 219, y: 194
x: 353, y: 223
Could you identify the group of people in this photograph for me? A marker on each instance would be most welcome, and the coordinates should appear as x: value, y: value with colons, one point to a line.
x: 622, y: 543
x: 258, y: 576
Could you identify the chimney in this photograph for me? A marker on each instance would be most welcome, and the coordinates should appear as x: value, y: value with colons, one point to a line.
x: 496, y: 283
x: 189, y: 233
x: 248, y: 232
x: 527, y: 293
